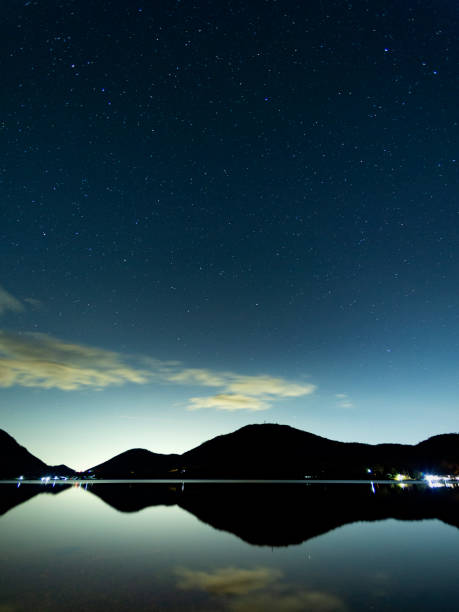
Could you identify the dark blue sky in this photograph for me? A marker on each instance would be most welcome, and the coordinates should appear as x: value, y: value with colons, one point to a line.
x: 217, y: 213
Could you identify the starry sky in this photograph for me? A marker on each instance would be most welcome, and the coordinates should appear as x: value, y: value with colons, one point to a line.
x: 222, y: 213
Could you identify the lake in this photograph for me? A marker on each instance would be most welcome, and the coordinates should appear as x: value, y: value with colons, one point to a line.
x: 235, y: 547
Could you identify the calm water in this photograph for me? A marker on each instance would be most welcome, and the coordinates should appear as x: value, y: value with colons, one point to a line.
x: 232, y: 547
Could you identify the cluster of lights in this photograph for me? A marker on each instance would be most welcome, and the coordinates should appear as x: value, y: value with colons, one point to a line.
x: 440, y: 481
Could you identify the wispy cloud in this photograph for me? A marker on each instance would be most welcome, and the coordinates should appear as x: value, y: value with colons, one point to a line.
x: 8, y: 303
x: 344, y: 401
x: 39, y: 360
x: 36, y: 304
x: 239, y: 392
x: 256, y: 590
x: 268, y: 385
x: 197, y: 376
x: 289, y: 600
x: 228, y: 401
x: 227, y: 580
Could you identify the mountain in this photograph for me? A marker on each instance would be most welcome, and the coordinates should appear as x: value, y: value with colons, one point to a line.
x: 438, y: 454
x: 136, y: 463
x: 259, y: 450
x: 15, y: 460
x: 278, y: 451
x: 266, y: 451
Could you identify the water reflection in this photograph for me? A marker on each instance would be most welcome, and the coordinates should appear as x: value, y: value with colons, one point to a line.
x: 12, y: 495
x: 268, y: 514
x: 260, y: 589
x: 167, y: 547
x: 283, y: 514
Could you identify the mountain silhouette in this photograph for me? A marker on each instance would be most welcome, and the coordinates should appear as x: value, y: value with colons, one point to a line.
x: 136, y: 463
x: 266, y: 451
x: 286, y: 514
x: 279, y: 451
x: 16, y: 460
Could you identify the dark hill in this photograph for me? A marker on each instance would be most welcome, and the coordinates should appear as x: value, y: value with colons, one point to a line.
x: 258, y: 450
x: 278, y: 451
x: 136, y: 463
x: 15, y: 460
x: 265, y: 451
x: 438, y: 454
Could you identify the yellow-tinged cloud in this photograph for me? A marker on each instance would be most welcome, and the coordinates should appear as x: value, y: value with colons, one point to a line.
x: 39, y: 360
x: 240, y: 392
x: 198, y: 376
x: 256, y: 590
x: 239, y: 383
x: 9, y: 302
x: 228, y: 401
x: 227, y: 580
x: 268, y: 385
x: 288, y: 601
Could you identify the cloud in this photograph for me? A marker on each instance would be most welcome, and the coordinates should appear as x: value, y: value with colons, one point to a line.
x: 36, y: 304
x: 267, y: 385
x: 228, y: 401
x: 9, y: 303
x: 227, y: 580
x: 39, y: 360
x: 197, y: 376
x: 344, y: 402
x: 239, y: 392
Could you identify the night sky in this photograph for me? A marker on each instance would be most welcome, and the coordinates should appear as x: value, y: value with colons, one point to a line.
x: 222, y: 213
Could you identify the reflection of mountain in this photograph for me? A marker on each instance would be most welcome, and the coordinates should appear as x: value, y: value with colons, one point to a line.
x: 15, y: 460
x: 284, y: 514
x: 135, y: 497
x: 279, y: 451
x: 12, y: 495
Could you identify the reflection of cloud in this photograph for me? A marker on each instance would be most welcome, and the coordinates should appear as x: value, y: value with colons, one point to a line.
x: 9, y: 302
x: 227, y: 580
x: 39, y: 360
x: 288, y: 601
x: 228, y: 401
x: 257, y: 590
